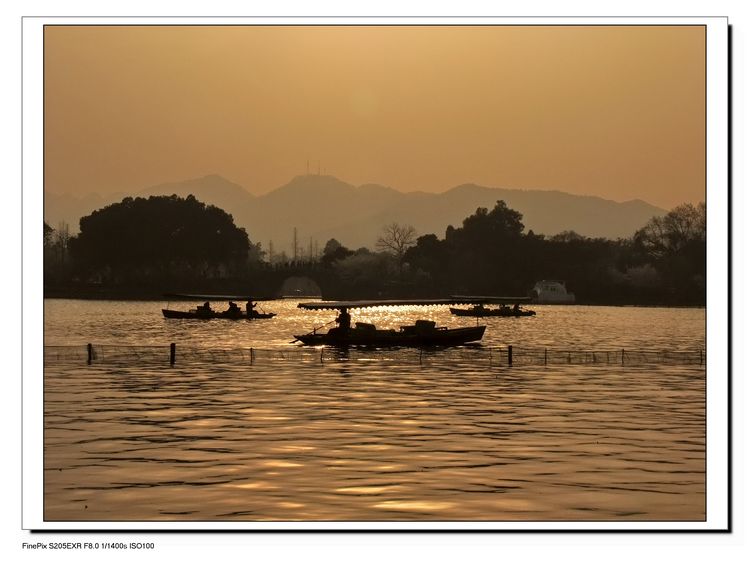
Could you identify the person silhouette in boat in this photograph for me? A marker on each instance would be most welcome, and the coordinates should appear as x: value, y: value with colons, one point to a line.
x: 344, y: 322
x: 250, y: 309
x: 516, y: 309
x: 233, y: 310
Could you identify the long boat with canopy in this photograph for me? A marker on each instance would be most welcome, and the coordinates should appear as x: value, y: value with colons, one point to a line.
x: 204, y: 312
x: 421, y: 334
x: 503, y: 309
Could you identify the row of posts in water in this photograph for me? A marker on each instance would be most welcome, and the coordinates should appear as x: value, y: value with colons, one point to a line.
x: 506, y: 358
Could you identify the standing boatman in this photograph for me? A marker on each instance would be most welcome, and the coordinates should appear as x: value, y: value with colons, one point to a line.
x: 344, y: 320
x: 250, y: 308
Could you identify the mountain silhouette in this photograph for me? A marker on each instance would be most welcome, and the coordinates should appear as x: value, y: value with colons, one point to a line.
x: 212, y: 189
x: 323, y: 207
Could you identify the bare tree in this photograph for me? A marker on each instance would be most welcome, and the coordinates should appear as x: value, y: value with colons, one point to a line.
x: 61, y: 239
x: 683, y: 225
x: 396, y: 239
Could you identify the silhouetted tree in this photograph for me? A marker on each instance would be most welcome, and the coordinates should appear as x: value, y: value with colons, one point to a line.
x: 486, y: 253
x: 48, y: 232
x: 331, y: 246
x: 676, y: 246
x: 145, y: 238
x: 428, y: 259
x: 567, y: 236
x: 163, y: 238
x: 396, y: 239
x: 364, y: 274
x: 500, y: 223
x: 682, y: 227
x: 333, y: 252
x: 489, y: 254
x: 57, y: 267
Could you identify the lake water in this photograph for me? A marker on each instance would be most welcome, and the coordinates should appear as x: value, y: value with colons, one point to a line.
x: 370, y: 436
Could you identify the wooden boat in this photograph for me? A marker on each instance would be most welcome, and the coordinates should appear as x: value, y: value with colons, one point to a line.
x: 503, y: 310
x: 481, y: 311
x: 202, y: 314
x: 422, y: 333
x: 205, y: 312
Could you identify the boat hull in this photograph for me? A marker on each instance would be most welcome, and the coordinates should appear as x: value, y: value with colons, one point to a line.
x: 172, y: 314
x: 385, y: 338
x: 490, y: 313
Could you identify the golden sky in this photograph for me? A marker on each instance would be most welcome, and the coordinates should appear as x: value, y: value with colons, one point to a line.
x: 612, y: 111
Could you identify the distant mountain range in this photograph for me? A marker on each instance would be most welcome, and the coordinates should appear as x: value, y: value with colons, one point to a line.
x: 324, y: 207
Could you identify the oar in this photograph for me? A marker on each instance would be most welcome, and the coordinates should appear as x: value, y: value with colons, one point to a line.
x: 313, y: 331
x: 262, y: 310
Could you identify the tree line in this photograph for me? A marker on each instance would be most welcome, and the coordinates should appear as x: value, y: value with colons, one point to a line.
x: 172, y: 243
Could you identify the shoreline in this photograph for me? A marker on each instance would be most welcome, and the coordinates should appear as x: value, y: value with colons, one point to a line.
x: 151, y: 297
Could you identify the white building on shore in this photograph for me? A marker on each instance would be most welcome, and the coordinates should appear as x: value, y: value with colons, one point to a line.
x: 552, y: 291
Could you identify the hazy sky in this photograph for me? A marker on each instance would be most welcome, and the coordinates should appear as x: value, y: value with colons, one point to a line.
x: 613, y: 111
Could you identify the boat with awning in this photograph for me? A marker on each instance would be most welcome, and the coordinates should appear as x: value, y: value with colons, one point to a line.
x: 423, y: 333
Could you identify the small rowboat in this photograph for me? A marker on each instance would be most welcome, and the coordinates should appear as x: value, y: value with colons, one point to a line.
x: 201, y: 314
x: 205, y: 312
x: 478, y: 308
x: 484, y: 312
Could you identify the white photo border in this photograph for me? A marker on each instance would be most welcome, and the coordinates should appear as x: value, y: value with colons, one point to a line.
x: 718, y: 450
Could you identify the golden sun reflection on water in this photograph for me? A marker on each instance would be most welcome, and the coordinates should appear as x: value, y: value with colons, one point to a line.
x: 281, y: 463
x: 294, y: 448
x: 258, y: 485
x: 203, y: 422
x: 291, y: 505
x: 455, y: 439
x: 414, y: 505
x: 368, y: 490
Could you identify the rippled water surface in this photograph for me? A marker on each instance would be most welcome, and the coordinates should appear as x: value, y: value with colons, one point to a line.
x: 373, y: 436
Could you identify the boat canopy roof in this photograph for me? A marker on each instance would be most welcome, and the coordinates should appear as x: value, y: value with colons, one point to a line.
x: 313, y: 306
x: 453, y: 300
x: 481, y: 299
x: 210, y: 297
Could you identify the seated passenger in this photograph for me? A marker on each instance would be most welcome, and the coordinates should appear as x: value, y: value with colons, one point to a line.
x: 233, y: 310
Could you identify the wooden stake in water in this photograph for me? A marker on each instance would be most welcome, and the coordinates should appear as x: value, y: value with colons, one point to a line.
x: 90, y: 350
x: 510, y: 355
x: 172, y: 353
